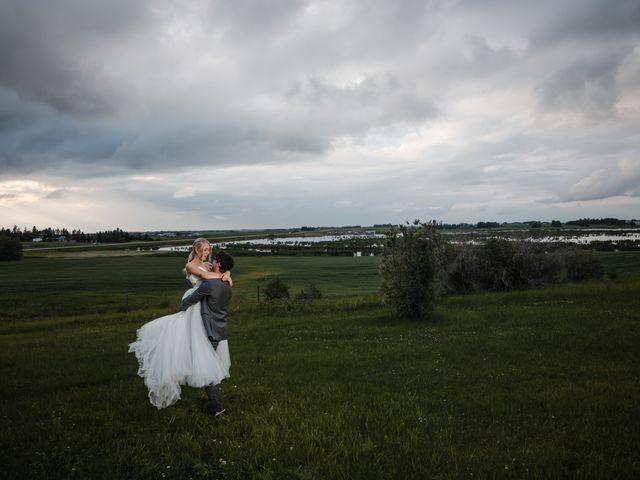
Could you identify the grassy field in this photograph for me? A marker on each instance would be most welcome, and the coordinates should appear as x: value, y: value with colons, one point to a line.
x: 620, y: 262
x: 534, y: 384
x: 103, y: 283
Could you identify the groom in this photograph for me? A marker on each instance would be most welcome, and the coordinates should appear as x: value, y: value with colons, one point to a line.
x: 215, y: 296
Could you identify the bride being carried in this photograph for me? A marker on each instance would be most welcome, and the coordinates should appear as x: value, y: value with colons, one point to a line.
x: 176, y: 350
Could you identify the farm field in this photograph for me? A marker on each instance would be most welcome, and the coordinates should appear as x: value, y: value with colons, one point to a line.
x: 140, y: 279
x: 531, y: 384
x: 620, y: 262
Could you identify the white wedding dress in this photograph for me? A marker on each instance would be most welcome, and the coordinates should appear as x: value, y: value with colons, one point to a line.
x: 174, y: 350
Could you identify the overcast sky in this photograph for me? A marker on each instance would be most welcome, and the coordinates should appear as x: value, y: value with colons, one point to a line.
x: 165, y: 114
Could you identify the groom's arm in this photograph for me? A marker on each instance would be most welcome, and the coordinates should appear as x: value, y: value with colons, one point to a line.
x: 202, y: 291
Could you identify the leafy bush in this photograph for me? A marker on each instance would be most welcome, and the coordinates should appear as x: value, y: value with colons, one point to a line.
x: 516, y: 265
x: 276, y: 290
x: 10, y: 248
x: 312, y: 293
x: 496, y: 257
x: 500, y: 265
x: 463, y: 273
x: 411, y: 260
x: 537, y: 267
x: 581, y: 265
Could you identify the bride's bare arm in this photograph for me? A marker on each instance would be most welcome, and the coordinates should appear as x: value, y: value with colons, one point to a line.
x: 193, y: 269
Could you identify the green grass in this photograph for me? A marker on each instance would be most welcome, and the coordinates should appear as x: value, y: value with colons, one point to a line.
x: 533, y: 384
x: 620, y: 262
x: 95, y: 283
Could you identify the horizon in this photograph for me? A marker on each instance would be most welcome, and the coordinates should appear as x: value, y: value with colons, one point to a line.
x: 310, y: 228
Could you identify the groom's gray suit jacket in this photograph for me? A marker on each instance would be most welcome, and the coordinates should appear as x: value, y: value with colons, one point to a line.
x: 215, y: 296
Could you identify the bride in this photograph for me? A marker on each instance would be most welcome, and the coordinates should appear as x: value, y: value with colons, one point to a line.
x: 174, y: 350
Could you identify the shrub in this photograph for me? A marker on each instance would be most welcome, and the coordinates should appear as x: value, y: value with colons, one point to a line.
x: 312, y: 293
x: 463, y: 270
x: 500, y: 265
x: 581, y: 265
x: 411, y: 259
x: 276, y: 290
x: 538, y: 267
x: 496, y: 258
x: 10, y: 248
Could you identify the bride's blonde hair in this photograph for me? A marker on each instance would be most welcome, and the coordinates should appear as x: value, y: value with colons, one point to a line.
x: 196, y: 248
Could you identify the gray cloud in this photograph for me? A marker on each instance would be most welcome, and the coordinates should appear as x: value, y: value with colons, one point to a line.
x: 580, y: 20
x: 33, y: 136
x: 57, y: 194
x: 587, y: 86
x: 346, y: 110
x: 263, y: 19
x: 52, y: 54
x: 604, y: 183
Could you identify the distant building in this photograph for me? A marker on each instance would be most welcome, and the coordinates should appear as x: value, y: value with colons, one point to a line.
x: 36, y: 239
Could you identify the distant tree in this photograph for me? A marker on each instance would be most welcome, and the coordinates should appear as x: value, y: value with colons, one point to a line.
x: 556, y: 223
x: 535, y: 224
x: 488, y: 225
x: 10, y: 248
x: 583, y: 222
x: 411, y: 259
x: 276, y: 290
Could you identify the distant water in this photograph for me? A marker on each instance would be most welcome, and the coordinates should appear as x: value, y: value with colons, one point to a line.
x: 586, y: 239
x: 279, y: 241
x: 304, y: 240
x: 577, y: 239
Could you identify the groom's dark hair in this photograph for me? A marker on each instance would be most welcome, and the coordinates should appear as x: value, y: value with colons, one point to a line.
x: 224, y: 260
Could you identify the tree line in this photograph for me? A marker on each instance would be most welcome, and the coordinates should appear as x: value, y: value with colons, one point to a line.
x: 585, y: 222
x: 62, y: 234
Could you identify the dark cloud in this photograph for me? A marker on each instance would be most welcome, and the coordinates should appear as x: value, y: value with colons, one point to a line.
x: 34, y: 136
x: 52, y: 52
x: 586, y: 21
x: 444, y: 107
x: 585, y: 85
